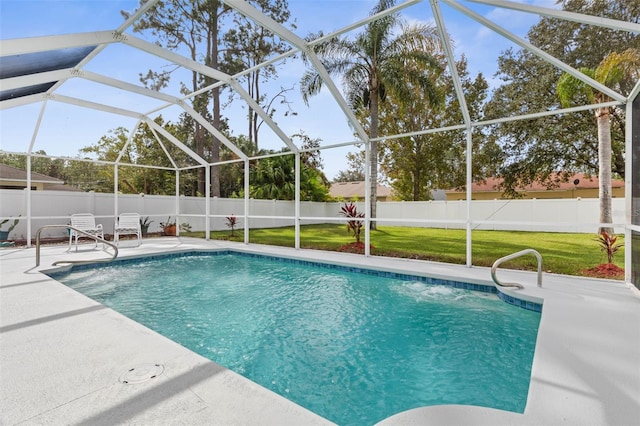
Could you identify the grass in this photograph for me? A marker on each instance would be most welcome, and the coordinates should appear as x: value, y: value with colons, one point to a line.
x: 562, y: 253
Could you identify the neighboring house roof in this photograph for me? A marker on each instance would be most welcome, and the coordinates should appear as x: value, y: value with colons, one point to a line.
x: 349, y: 190
x: 19, y: 176
x: 492, y: 184
x: 11, y: 173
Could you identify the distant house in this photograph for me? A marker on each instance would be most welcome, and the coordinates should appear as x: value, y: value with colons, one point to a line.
x: 352, y: 190
x: 577, y: 186
x: 14, y: 178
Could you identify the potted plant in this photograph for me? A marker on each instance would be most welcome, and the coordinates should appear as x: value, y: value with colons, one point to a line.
x: 144, y: 225
x: 185, y: 227
x: 4, y: 234
x: 168, y: 227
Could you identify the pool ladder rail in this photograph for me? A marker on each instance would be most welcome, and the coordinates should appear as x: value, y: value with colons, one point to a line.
x: 81, y: 232
x: 497, y: 263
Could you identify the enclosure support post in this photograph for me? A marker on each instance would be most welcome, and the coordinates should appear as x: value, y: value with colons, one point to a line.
x: 367, y: 198
x: 631, y: 215
x: 469, y: 262
x: 115, y: 194
x: 297, y: 202
x: 246, y: 201
x: 207, y: 198
x: 177, y: 206
x: 28, y: 193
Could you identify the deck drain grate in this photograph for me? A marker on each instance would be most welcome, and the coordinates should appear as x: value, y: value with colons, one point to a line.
x: 141, y: 373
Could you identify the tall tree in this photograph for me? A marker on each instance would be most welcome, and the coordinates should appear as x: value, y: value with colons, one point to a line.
x: 616, y: 70
x: 247, y: 45
x: 355, y: 168
x: 418, y: 164
x: 274, y: 178
x: 375, y: 64
x: 194, y: 25
x: 43, y: 165
x: 232, y: 174
x: 144, y: 149
x: 310, y: 155
x: 536, y: 150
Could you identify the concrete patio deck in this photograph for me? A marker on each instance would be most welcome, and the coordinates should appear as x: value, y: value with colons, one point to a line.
x: 62, y: 355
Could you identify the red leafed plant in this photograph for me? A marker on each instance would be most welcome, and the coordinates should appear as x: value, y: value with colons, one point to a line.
x: 232, y: 221
x: 608, y: 245
x: 353, y: 226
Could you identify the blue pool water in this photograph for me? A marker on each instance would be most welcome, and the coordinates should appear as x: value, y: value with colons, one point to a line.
x: 352, y: 347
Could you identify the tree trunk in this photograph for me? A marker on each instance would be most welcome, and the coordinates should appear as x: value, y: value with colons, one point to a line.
x: 373, y: 154
x: 604, y: 164
x: 199, y: 145
x: 198, y: 131
x: 215, y: 97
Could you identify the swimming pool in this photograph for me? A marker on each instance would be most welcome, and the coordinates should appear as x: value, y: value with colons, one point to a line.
x: 351, y: 345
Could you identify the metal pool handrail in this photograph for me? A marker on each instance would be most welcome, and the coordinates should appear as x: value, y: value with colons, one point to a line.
x: 80, y: 231
x: 513, y: 256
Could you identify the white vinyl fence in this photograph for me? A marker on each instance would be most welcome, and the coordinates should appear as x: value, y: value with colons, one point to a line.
x: 55, y: 207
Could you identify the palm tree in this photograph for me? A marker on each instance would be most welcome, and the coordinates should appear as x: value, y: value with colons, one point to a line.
x: 614, y: 70
x: 273, y: 178
x: 378, y: 61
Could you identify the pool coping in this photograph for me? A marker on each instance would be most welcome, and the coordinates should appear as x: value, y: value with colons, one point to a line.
x: 585, y: 368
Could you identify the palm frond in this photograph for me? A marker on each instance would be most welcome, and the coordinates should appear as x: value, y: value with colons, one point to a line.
x: 569, y: 87
x: 617, y: 66
x: 310, y: 85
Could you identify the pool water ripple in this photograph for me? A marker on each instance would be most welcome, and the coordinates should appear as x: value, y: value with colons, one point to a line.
x: 354, y: 348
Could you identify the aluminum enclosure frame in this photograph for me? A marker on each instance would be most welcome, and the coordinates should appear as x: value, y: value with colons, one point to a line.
x: 102, y: 39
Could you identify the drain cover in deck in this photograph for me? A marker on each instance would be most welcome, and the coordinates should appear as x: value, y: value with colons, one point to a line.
x: 141, y: 373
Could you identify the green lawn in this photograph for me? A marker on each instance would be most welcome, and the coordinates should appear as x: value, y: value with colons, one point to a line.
x: 562, y: 253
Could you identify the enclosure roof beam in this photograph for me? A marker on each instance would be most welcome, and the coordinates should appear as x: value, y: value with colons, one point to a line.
x: 262, y: 113
x: 634, y: 91
x: 94, y: 105
x: 548, y: 113
x: 565, y: 15
x: 129, y: 87
x: 35, y: 79
x: 361, y: 22
x: 21, y: 46
x: 36, y: 128
x: 164, y: 148
x: 132, y: 18
x: 128, y: 142
x: 21, y: 101
x: 115, y: 34
x: 155, y: 126
x: 319, y: 40
x: 215, y: 132
x: 260, y: 18
x: 536, y: 51
x: 503, y: 120
x: 210, y: 72
x: 451, y: 61
x: 176, y: 58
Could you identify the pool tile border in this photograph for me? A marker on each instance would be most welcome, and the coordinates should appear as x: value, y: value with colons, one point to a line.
x: 525, y: 304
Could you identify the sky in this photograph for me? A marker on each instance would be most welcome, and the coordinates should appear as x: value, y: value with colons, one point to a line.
x: 65, y: 129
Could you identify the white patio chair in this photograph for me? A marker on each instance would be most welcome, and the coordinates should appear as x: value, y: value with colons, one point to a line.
x: 127, y: 224
x: 85, y: 222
